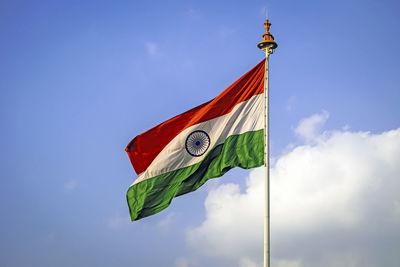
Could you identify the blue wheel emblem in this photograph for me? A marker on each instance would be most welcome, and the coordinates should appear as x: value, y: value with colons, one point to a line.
x: 197, y: 143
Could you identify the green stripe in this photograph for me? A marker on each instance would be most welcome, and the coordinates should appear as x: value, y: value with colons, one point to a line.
x: 151, y: 196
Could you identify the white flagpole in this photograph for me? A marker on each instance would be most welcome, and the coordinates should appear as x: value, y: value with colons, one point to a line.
x: 266, y: 158
x: 266, y: 161
x: 268, y: 45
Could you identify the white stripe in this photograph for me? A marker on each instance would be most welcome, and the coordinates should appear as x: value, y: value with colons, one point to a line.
x: 245, y: 117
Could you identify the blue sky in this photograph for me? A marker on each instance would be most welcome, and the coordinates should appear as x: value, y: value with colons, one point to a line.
x: 80, y: 79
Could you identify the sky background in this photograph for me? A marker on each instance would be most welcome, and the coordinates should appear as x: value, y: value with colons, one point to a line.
x: 80, y: 79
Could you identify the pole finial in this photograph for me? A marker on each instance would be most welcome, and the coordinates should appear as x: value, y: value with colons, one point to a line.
x: 268, y: 39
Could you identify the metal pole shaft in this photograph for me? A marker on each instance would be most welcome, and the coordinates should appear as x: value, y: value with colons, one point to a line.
x: 266, y: 161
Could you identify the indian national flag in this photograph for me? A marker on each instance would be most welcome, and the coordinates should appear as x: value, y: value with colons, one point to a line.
x: 179, y: 155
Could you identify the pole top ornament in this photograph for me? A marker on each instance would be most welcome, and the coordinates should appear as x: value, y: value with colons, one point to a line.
x: 268, y: 40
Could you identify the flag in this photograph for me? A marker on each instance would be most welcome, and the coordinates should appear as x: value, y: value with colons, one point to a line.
x: 179, y: 155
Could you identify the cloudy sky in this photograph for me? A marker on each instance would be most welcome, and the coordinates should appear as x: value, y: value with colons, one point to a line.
x: 80, y: 79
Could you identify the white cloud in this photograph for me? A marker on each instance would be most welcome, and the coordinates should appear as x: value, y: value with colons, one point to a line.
x: 334, y: 202
x: 286, y: 263
x: 192, y: 13
x: 309, y: 128
x: 346, y: 127
x: 290, y: 103
x: 246, y: 262
x: 70, y: 186
x: 188, y: 64
x: 166, y: 221
x: 225, y: 32
x: 117, y: 221
x: 184, y: 262
x: 152, y: 48
x: 228, y: 214
x: 50, y: 236
x: 396, y: 210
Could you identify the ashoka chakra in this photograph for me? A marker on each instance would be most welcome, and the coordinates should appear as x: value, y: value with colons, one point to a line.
x: 197, y: 143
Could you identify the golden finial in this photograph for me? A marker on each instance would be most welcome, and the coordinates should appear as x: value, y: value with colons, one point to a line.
x: 268, y: 41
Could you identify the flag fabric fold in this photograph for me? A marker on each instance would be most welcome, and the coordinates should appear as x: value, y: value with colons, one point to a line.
x: 179, y: 155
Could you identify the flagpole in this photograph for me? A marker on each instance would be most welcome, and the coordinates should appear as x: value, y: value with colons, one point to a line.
x: 268, y: 45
